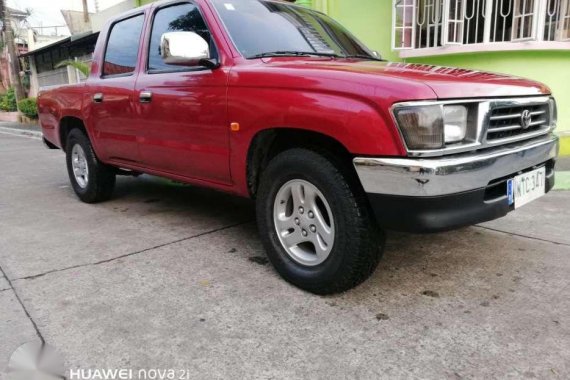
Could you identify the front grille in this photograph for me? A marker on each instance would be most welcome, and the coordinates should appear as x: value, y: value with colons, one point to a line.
x: 507, y: 121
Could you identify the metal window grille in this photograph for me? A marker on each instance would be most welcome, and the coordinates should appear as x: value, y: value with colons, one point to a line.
x: 564, y: 21
x: 557, y: 20
x: 404, y: 24
x: 429, y: 22
x: 475, y: 17
x: 423, y: 24
x: 524, y: 26
x: 455, y: 12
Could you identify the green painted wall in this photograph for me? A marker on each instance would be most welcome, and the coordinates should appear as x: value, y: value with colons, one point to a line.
x: 307, y: 3
x: 370, y: 21
x: 565, y: 146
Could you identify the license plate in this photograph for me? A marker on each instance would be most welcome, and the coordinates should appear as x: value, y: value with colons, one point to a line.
x: 526, y: 187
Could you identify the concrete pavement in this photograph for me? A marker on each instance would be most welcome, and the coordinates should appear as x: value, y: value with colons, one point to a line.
x: 172, y: 276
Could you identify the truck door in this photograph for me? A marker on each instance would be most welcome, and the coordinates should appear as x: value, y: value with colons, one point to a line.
x: 182, y: 110
x: 112, y: 111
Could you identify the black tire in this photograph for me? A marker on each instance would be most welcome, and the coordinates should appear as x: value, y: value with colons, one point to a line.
x: 100, y: 178
x: 358, y: 242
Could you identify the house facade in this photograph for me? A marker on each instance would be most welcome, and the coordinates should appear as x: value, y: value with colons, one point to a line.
x: 44, y: 61
x: 528, y: 38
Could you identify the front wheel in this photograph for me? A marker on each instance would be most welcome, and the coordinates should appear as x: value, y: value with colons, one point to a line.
x: 91, y: 180
x: 315, y: 223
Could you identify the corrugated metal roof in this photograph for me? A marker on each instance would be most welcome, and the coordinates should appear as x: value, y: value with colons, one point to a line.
x: 68, y: 41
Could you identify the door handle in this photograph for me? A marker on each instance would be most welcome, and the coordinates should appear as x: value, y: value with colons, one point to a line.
x: 145, y: 96
x: 98, y: 97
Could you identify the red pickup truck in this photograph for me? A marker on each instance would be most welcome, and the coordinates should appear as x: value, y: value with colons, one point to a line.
x: 276, y: 102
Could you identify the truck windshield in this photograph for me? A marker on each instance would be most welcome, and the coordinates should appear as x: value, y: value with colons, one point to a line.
x: 261, y: 28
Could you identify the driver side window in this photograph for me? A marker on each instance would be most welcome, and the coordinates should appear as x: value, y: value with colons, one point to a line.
x: 176, y: 18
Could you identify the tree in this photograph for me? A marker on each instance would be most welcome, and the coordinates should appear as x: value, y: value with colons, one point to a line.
x: 15, y: 79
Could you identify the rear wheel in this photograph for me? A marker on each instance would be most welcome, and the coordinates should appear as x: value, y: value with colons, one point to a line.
x: 91, y: 180
x: 315, y: 223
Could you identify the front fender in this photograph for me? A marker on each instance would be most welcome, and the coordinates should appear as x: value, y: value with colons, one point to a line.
x: 355, y: 123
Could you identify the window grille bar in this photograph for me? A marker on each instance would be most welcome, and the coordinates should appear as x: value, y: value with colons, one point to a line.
x: 424, y: 24
x: 564, y: 22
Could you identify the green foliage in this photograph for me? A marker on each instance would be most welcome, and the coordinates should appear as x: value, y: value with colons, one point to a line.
x: 29, y: 107
x: 8, y: 101
x: 81, y: 66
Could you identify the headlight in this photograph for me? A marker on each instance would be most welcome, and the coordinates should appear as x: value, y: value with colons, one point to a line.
x: 422, y: 126
x: 455, y: 121
x: 433, y: 126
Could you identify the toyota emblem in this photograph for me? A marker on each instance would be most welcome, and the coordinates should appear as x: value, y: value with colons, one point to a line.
x: 526, y: 119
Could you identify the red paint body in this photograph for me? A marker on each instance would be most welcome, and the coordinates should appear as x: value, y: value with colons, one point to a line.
x: 184, y: 133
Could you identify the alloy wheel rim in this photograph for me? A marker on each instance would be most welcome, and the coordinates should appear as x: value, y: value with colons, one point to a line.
x: 79, y: 166
x: 304, y: 222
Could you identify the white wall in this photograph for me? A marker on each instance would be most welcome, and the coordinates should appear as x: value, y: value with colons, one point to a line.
x: 98, y: 20
x: 38, y: 41
x: 53, y: 77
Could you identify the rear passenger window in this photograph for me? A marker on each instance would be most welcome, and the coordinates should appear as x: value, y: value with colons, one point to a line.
x: 123, y: 46
x: 177, y: 18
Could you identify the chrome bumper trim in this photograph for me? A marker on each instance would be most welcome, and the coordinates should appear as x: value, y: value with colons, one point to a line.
x: 451, y: 174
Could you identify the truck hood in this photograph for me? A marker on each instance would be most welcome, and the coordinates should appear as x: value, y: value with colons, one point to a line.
x: 448, y: 82
x: 445, y: 82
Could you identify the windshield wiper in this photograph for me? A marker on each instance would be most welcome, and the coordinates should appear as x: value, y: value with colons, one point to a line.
x: 286, y: 53
x: 293, y: 53
x: 368, y: 57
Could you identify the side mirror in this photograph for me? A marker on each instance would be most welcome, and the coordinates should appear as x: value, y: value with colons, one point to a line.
x: 184, y: 49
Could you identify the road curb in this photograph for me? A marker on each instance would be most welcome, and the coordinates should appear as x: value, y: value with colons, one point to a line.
x: 562, y: 181
x: 21, y: 132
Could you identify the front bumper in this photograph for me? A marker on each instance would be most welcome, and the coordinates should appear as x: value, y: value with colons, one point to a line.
x: 436, y: 194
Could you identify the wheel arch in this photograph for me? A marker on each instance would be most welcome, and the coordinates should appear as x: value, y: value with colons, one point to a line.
x: 268, y: 143
x: 66, y: 125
